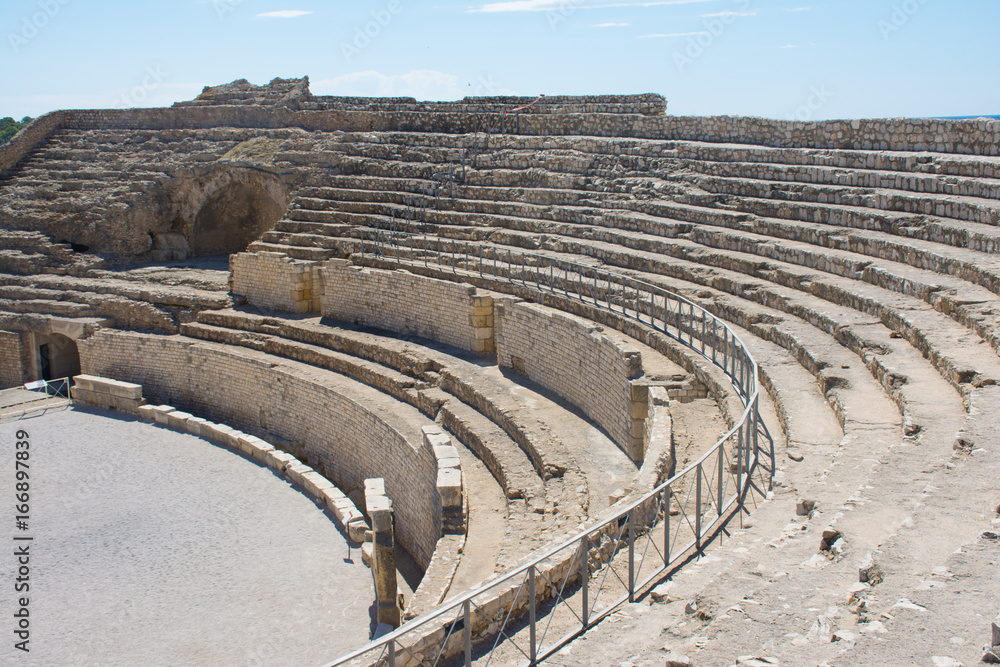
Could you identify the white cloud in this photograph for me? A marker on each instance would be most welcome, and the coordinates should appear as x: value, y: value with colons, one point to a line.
x: 789, y: 46
x: 797, y: 9
x: 284, y: 14
x: 554, y: 5
x: 422, y: 84
x: 611, y: 25
x: 673, y: 34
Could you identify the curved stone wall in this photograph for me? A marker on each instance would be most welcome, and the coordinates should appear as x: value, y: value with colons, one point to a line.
x: 347, y: 442
x: 439, y: 310
x: 577, y: 361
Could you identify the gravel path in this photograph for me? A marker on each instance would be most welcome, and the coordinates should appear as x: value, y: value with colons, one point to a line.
x: 154, y: 547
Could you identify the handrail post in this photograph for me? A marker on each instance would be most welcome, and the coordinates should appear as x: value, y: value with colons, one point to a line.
x: 722, y: 460
x: 666, y: 526
x: 533, y: 649
x: 585, y: 578
x: 697, y: 508
x: 392, y: 653
x: 468, y: 632
x: 631, y: 556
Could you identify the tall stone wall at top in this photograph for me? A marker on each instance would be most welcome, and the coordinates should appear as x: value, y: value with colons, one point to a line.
x: 969, y: 137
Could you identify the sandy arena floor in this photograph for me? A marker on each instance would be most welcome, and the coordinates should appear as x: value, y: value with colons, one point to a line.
x: 152, y: 547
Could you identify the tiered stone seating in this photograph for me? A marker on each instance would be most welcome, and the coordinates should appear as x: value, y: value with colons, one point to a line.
x: 874, y: 271
x: 864, y: 282
x: 531, y: 461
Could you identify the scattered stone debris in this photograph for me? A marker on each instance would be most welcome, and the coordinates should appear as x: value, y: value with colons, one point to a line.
x: 756, y: 661
x: 869, y: 572
x: 661, y: 593
x: 804, y: 507
x: 678, y: 660
x: 831, y: 535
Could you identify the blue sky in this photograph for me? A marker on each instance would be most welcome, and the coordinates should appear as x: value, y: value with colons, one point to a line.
x: 777, y: 58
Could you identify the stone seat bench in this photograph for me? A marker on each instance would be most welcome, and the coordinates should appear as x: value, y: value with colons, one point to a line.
x: 987, y: 188
x: 650, y: 223
x: 935, y: 335
x: 960, y: 207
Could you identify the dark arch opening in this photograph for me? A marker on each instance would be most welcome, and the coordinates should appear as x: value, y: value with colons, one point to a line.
x: 233, y: 217
x: 58, y: 357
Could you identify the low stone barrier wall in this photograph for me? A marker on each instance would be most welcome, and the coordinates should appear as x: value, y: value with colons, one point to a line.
x: 346, y: 441
x: 107, y: 393
x: 275, y: 281
x: 576, y: 360
x: 407, y: 303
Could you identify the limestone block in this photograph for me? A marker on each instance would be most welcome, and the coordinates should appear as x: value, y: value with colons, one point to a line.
x: 178, y: 420
x: 194, y: 425
x: 278, y: 460
x: 374, y: 487
x: 296, y: 470
x: 120, y: 389
x: 449, y: 486
x: 356, y: 528
x: 147, y: 412
x: 160, y: 413
x: 315, y: 484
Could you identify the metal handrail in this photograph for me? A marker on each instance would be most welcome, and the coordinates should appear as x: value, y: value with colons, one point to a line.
x: 53, y: 389
x: 744, y: 439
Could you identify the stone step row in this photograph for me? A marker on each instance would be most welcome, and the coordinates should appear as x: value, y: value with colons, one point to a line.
x: 823, y: 301
x: 662, y: 218
x: 848, y: 159
x: 793, y: 318
x: 963, y: 186
x: 972, y: 209
x: 932, y: 202
x: 949, y: 295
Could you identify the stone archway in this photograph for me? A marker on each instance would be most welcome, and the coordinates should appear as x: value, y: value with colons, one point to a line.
x: 235, y: 215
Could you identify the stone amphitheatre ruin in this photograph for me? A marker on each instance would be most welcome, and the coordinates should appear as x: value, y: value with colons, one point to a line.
x: 561, y: 355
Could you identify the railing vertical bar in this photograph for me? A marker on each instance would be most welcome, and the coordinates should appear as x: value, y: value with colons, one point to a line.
x: 704, y: 331
x: 718, y: 491
x: 532, y: 614
x: 697, y: 507
x: 585, y: 578
x: 666, y: 526
x: 392, y: 653
x: 631, y: 556
x: 467, y: 631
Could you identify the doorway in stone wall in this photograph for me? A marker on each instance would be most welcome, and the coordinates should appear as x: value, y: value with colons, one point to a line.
x: 58, y: 357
